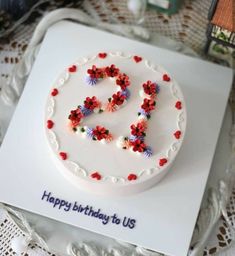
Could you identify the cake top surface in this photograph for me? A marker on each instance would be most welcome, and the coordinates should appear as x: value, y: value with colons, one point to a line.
x: 130, y: 104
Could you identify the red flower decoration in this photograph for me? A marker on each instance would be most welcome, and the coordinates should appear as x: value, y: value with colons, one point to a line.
x: 148, y: 105
x: 75, y: 117
x: 54, y: 92
x: 96, y: 175
x: 138, y: 146
x: 137, y: 59
x: 50, y: 124
x: 100, y: 132
x: 94, y: 72
x: 166, y: 78
x: 149, y: 88
x: 137, y: 130
x: 123, y: 81
x: 91, y: 103
x: 112, y: 71
x: 72, y: 69
x: 177, y: 134
x: 162, y: 161
x: 132, y: 176
x: 178, y: 105
x: 118, y: 98
x: 63, y: 155
x: 102, y: 55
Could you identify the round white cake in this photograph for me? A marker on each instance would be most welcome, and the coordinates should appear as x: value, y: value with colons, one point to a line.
x: 114, y: 123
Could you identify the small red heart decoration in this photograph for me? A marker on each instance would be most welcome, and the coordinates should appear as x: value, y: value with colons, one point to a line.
x: 50, y: 124
x: 73, y: 68
x: 96, y: 175
x: 178, y: 105
x: 102, y: 55
x: 162, y: 161
x: 54, y: 92
x: 63, y: 155
x: 166, y: 78
x: 177, y: 134
x: 132, y: 176
x: 137, y: 59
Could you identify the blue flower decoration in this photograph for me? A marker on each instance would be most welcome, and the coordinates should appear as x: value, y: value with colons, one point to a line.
x: 89, y: 132
x: 148, y: 152
x: 132, y: 138
x: 140, y: 138
x: 126, y: 93
x: 86, y: 111
x: 142, y: 112
x: 157, y: 88
x: 91, y: 81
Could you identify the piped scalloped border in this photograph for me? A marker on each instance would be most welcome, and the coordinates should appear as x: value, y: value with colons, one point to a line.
x: 96, y: 175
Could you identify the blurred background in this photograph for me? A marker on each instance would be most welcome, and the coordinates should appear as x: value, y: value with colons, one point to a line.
x: 205, y: 26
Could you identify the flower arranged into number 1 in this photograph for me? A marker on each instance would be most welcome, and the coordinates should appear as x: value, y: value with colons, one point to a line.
x: 135, y: 141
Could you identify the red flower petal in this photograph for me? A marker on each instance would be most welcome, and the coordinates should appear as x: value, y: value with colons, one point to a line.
x: 102, y: 55
x: 91, y: 103
x: 132, y: 176
x: 148, y: 105
x: 96, y: 175
x: 149, y: 88
x: 177, y: 134
x: 54, y: 92
x: 75, y: 117
x: 138, y: 146
x: 178, y: 105
x: 137, y: 59
x: 166, y: 78
x: 63, y: 155
x: 118, y: 98
x: 72, y: 68
x: 100, y: 132
x: 112, y: 71
x: 123, y: 81
x: 162, y: 161
x: 50, y: 124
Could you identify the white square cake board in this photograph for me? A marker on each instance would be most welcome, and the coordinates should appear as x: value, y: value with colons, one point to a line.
x: 166, y: 214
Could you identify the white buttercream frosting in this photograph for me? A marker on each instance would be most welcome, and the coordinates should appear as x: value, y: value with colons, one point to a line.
x: 116, y: 168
